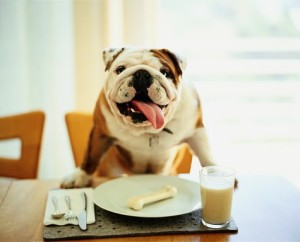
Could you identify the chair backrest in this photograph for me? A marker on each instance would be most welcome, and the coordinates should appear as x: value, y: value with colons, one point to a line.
x: 28, y: 127
x: 79, y: 126
x: 183, y: 160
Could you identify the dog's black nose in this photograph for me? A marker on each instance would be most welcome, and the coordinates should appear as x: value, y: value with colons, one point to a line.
x: 142, y: 79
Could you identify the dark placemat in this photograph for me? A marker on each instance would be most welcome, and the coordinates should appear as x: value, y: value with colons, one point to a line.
x: 110, y: 225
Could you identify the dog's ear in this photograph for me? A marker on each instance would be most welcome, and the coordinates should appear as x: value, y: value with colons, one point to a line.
x: 178, y: 60
x: 182, y: 62
x: 109, y: 55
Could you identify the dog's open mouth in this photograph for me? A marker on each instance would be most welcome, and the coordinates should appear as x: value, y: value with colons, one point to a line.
x: 140, y: 111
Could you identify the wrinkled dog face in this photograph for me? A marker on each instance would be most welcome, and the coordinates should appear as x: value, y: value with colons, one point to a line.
x: 142, y: 87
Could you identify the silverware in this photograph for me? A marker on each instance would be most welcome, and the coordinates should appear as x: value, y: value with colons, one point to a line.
x: 82, y: 216
x: 70, y: 215
x: 57, y: 214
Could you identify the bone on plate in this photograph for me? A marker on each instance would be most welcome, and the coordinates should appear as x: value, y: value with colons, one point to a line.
x: 138, y: 202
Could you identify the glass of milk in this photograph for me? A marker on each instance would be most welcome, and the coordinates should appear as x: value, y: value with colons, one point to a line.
x: 216, y: 186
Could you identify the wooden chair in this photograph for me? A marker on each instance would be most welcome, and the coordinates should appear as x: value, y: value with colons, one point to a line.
x: 28, y: 127
x: 79, y: 126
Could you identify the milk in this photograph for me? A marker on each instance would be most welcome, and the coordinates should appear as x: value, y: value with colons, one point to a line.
x: 216, y: 203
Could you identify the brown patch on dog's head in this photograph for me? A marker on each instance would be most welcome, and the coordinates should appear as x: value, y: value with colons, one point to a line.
x: 109, y: 55
x: 171, y: 62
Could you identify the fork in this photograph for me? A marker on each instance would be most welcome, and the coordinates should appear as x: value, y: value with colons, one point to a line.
x: 70, y: 215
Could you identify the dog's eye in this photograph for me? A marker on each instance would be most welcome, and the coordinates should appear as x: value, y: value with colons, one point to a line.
x: 120, y: 69
x: 166, y: 73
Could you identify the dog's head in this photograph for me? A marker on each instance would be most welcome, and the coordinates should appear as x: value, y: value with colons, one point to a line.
x: 143, y: 87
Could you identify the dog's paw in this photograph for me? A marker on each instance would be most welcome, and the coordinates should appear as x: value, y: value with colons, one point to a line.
x: 79, y: 178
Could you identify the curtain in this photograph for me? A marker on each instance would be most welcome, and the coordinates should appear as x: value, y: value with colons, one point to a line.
x: 51, y: 59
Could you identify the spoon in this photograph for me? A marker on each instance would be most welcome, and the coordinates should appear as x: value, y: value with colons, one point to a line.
x: 57, y: 214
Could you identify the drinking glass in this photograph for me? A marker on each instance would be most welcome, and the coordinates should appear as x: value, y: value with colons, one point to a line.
x: 216, y: 186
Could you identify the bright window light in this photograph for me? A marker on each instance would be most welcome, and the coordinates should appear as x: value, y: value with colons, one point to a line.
x: 244, y: 59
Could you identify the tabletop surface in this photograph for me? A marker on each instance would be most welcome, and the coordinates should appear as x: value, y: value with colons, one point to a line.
x: 265, y: 208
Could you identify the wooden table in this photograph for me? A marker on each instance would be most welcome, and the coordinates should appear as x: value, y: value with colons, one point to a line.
x: 266, y: 208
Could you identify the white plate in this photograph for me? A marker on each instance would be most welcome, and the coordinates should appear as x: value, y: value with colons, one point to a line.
x: 113, y: 195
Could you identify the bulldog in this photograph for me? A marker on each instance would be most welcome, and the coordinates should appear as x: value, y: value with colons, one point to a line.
x: 144, y: 110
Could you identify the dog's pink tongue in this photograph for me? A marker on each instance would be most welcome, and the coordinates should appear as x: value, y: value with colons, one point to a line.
x: 152, y: 112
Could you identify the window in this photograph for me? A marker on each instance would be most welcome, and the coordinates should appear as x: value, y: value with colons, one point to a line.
x: 244, y: 59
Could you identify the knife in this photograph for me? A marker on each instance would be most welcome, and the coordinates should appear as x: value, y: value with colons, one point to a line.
x: 82, y: 216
